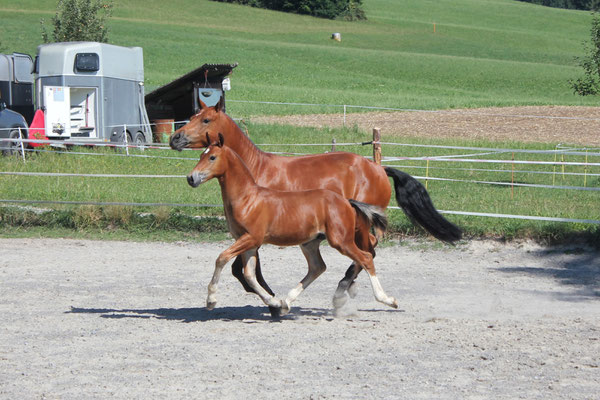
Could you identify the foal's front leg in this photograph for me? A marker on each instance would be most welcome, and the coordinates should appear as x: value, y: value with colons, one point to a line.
x: 241, y: 245
x: 249, y: 259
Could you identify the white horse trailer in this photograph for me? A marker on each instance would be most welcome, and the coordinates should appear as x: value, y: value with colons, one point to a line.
x: 92, y: 92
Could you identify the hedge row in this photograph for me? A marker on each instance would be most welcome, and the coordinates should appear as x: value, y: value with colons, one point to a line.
x: 332, y: 9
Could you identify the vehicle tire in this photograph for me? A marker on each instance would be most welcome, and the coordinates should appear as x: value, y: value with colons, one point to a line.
x: 140, y: 139
x: 12, y: 148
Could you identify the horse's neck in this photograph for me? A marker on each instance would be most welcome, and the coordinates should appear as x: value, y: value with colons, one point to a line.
x: 244, y: 147
x: 237, y: 181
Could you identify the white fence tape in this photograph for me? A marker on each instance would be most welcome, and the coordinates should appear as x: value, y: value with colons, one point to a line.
x: 593, y: 189
x: 109, y: 203
x: 18, y: 173
x: 512, y: 216
x: 468, y: 213
x: 89, y: 175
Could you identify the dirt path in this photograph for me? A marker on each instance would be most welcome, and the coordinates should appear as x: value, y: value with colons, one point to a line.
x: 91, y: 319
x: 547, y: 124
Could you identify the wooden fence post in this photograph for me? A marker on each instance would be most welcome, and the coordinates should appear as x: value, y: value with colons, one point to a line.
x: 377, y: 145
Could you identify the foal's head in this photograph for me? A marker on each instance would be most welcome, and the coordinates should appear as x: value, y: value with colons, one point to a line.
x: 207, y: 122
x: 212, y: 163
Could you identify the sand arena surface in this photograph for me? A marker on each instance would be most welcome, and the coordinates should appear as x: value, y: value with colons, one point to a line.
x: 93, y: 319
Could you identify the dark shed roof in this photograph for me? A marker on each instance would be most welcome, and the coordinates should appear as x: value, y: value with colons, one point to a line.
x: 176, y: 99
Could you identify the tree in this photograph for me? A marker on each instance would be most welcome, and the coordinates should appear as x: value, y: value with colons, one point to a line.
x: 342, y: 9
x: 590, y: 83
x: 79, y: 20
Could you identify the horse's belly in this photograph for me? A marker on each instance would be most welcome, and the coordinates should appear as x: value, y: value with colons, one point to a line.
x: 290, y: 232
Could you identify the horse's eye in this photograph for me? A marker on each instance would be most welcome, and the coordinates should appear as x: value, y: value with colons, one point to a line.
x: 212, y: 158
x: 206, y: 120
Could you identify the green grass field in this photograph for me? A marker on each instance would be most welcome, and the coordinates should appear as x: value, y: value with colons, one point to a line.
x: 483, y: 53
x: 451, y: 196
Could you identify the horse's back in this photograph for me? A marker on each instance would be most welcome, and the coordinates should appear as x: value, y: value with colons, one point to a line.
x: 349, y: 174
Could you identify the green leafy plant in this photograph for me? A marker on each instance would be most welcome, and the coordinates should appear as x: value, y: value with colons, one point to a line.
x: 589, y: 84
x: 79, y: 20
x: 349, y: 10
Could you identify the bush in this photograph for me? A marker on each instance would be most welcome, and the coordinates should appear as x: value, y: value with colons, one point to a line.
x: 568, y: 4
x: 589, y: 84
x: 79, y: 20
x: 349, y: 10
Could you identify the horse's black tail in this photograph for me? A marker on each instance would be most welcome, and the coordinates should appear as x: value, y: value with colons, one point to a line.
x: 375, y: 215
x: 414, y: 200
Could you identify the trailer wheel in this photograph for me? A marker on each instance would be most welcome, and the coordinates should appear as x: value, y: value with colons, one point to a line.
x: 12, y: 148
x: 140, y: 139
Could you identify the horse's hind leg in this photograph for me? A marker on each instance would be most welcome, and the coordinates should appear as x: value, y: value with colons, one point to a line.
x: 347, y: 284
x: 249, y: 260
x: 237, y: 269
x: 364, y: 259
x: 316, y: 266
x: 365, y: 241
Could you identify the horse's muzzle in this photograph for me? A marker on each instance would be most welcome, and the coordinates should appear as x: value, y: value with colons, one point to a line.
x: 195, y: 179
x: 179, y: 141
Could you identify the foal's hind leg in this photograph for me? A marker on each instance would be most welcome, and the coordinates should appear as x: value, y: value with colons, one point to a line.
x: 316, y: 266
x: 364, y: 259
x: 365, y: 241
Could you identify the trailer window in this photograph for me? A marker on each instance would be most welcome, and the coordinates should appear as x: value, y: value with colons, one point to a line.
x: 87, y: 62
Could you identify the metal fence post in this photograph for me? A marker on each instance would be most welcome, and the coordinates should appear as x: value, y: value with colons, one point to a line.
x: 22, y: 146
x: 125, y: 139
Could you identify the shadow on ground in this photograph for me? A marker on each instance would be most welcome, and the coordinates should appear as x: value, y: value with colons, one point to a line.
x: 576, y: 268
x: 248, y: 314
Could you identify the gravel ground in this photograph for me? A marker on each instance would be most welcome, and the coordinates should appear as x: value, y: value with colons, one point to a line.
x: 547, y: 124
x: 93, y: 319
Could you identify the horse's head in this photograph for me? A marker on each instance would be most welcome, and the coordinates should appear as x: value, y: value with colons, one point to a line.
x: 212, y: 162
x: 207, y: 121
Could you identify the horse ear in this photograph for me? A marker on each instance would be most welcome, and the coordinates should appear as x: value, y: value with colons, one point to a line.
x: 207, y: 139
x: 201, y: 104
x: 221, y: 140
x: 219, y: 105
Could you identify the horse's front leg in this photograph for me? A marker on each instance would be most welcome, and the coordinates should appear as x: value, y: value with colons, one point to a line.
x: 316, y: 266
x: 241, y: 245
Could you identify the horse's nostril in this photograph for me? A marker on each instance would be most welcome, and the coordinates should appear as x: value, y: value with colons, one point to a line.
x: 190, y: 180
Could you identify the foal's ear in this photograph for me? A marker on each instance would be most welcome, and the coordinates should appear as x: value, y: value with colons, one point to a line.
x: 201, y: 104
x: 221, y: 140
x: 219, y: 105
x: 207, y: 140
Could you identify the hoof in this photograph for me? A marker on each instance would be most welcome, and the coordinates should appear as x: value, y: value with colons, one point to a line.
x: 285, y: 307
x: 339, y: 301
x: 394, y: 303
x: 353, y: 290
x: 210, y: 305
x: 275, y: 312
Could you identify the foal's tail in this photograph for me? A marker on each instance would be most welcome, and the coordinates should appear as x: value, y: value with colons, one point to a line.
x: 373, y: 214
x: 414, y: 200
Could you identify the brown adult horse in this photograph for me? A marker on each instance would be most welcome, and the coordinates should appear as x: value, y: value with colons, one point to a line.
x: 351, y: 175
x: 258, y: 215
